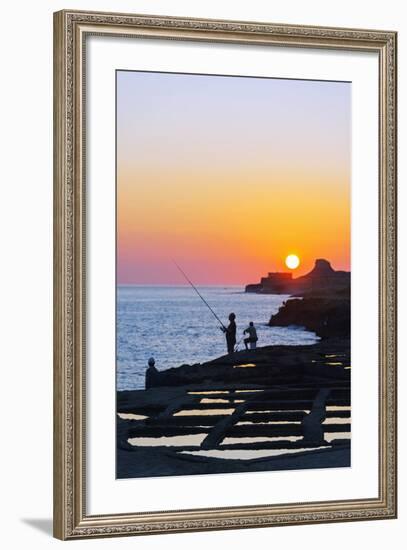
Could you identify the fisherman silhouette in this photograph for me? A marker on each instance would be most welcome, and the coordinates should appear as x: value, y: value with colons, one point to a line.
x: 230, y: 333
x: 252, y: 338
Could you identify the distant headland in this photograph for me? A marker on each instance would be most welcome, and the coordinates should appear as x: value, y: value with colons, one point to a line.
x: 321, y: 277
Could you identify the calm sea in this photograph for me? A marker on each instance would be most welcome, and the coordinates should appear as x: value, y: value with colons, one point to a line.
x: 173, y: 325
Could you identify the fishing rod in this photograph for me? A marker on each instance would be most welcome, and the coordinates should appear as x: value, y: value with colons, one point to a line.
x: 238, y: 344
x: 200, y: 295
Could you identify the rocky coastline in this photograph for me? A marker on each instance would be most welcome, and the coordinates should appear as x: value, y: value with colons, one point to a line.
x: 272, y: 408
x: 265, y: 365
x: 325, y: 313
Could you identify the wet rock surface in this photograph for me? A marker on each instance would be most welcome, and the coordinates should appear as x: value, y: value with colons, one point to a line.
x: 325, y: 313
x: 269, y: 364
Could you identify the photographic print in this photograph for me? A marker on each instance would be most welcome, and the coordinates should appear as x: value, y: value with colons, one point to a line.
x: 232, y: 274
x: 224, y: 257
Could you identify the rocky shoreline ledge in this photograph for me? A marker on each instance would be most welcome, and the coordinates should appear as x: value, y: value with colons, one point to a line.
x: 265, y: 365
x: 277, y: 407
x: 325, y: 313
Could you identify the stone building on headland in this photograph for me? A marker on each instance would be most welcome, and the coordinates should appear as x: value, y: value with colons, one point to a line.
x: 322, y: 277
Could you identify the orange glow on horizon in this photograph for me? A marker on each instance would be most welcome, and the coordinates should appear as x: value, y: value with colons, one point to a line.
x: 231, y: 237
x: 229, y: 176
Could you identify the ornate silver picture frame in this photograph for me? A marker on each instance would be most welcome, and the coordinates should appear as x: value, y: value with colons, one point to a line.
x: 72, y: 519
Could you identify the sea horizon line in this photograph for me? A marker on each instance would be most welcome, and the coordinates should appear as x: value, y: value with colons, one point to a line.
x: 181, y: 285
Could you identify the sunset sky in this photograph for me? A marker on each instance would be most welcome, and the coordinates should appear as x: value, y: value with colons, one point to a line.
x: 229, y: 175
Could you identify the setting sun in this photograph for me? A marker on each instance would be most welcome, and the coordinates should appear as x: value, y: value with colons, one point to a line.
x: 292, y: 261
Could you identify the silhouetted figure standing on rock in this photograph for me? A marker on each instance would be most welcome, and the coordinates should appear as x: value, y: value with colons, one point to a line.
x: 230, y: 333
x: 151, y: 373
